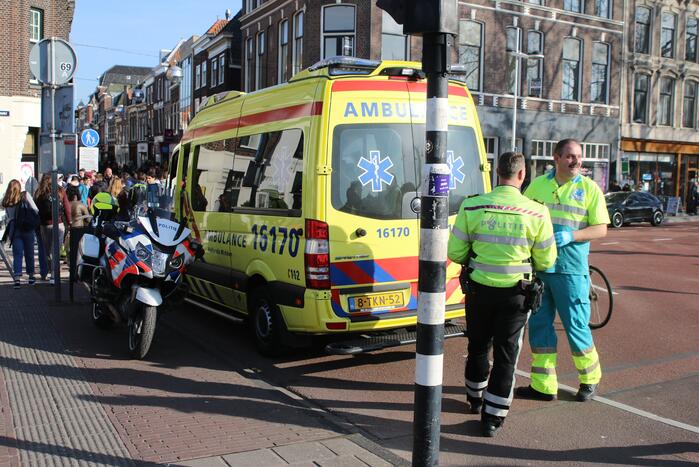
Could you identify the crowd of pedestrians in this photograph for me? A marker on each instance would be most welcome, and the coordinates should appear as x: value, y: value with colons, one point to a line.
x: 30, y: 221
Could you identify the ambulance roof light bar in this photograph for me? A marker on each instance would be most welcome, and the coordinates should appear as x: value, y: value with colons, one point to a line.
x: 458, y: 72
x: 411, y: 73
x: 342, y: 65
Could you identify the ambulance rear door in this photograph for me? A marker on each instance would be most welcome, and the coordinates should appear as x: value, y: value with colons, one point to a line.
x: 372, y: 202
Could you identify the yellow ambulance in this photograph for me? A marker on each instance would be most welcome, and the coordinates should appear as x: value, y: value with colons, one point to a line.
x: 306, y: 198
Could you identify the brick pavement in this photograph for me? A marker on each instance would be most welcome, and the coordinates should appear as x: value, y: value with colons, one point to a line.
x: 70, y: 396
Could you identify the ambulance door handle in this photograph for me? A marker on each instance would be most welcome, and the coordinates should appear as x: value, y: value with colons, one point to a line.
x: 360, y: 232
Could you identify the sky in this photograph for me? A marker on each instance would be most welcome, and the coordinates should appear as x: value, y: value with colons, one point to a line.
x: 131, y: 32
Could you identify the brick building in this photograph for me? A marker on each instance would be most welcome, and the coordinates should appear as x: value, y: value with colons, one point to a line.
x: 659, y: 125
x: 24, y: 23
x: 216, y: 60
x: 571, y: 88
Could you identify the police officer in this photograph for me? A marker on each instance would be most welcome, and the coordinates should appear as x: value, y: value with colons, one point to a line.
x: 500, y: 237
x: 579, y: 214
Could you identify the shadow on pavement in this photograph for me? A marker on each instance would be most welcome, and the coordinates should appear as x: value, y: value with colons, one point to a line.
x: 71, y: 454
x: 620, y: 455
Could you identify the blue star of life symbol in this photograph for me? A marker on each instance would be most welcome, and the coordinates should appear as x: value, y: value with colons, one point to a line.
x: 455, y: 166
x: 375, y: 171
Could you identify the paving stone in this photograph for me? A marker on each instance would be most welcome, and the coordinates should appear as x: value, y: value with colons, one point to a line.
x: 261, y: 457
x: 341, y: 461
x: 206, y: 462
x: 303, y: 452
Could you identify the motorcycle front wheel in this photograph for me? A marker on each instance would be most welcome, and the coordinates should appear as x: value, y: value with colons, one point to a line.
x: 141, y: 330
x: 101, y: 317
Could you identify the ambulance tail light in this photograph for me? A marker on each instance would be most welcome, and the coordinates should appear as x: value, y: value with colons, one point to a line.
x: 317, y: 255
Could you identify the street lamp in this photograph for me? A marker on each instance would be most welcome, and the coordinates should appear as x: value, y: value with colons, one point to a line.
x: 518, y: 55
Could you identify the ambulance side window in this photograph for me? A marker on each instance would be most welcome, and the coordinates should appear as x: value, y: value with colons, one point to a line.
x: 214, y: 176
x: 273, y: 165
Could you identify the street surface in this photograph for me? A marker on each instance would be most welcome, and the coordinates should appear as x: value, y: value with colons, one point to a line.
x: 204, y: 391
x: 649, y: 353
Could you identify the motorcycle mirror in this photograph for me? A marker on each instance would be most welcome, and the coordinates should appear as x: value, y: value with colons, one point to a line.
x: 198, y: 249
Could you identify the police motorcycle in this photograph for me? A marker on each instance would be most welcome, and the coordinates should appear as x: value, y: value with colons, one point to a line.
x: 134, y: 266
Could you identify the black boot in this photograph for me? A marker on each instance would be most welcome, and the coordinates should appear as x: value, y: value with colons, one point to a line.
x: 475, y: 403
x: 491, y: 424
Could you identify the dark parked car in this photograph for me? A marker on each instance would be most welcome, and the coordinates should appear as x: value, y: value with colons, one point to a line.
x: 634, y: 206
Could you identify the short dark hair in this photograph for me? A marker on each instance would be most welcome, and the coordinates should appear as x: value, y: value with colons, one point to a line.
x: 509, y: 163
x: 153, y: 172
x: 558, y: 150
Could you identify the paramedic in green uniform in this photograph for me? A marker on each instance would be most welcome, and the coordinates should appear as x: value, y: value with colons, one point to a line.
x: 579, y: 214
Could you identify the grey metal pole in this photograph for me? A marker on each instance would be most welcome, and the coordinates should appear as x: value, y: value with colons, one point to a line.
x: 513, y: 146
x: 56, y: 250
x: 434, y: 234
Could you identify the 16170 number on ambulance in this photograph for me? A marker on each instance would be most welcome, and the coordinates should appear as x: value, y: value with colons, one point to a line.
x: 306, y: 198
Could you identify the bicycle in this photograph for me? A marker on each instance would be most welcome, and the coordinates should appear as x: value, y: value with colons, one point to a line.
x: 601, y: 299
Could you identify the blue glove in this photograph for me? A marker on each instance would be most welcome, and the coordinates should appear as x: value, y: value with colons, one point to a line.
x: 563, y: 238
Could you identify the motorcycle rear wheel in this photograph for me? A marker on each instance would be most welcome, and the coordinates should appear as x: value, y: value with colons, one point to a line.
x: 141, y: 330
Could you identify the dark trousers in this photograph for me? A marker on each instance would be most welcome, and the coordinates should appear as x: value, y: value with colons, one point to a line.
x: 493, y: 319
x: 23, y: 248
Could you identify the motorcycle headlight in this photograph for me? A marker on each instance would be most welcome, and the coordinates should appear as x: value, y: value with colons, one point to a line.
x: 159, y: 262
x: 177, y: 262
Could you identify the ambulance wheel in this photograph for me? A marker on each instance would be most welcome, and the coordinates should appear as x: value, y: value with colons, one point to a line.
x: 267, y: 323
x: 101, y: 317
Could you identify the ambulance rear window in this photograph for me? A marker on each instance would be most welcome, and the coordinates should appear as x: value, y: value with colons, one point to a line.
x: 377, y: 167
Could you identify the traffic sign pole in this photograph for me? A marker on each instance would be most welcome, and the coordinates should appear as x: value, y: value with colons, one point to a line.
x: 56, y: 250
x: 53, y: 62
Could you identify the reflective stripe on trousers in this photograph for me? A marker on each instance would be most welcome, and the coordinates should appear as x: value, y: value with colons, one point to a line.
x: 587, y: 364
x: 544, y: 373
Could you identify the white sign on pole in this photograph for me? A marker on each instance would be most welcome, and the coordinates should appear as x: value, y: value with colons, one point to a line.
x: 89, y: 158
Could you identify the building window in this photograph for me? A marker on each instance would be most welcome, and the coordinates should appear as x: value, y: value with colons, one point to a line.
x: 572, y: 5
x: 667, y: 91
x: 667, y: 36
x: 259, y: 64
x: 283, y: 74
x: 600, y: 73
x: 571, y: 69
x: 214, y: 72
x: 689, y: 104
x: 221, y: 69
x: 640, y: 98
x: 690, y: 52
x: 394, y: 44
x: 535, y: 45
x: 513, y: 36
x: 36, y: 24
x: 338, y: 30
x: 197, y: 77
x: 642, y: 39
x: 602, y: 8
x: 203, y: 73
x: 297, y: 59
x: 471, y: 52
x: 249, y: 64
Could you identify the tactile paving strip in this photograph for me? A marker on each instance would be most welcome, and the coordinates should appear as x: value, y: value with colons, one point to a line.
x: 56, y: 417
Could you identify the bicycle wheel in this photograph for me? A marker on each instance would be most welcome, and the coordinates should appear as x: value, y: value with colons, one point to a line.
x: 601, y: 299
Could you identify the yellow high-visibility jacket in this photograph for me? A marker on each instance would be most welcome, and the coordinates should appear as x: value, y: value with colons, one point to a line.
x: 510, y: 236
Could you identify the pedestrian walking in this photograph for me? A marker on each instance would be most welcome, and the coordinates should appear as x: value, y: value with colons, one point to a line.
x: 44, y: 203
x: 499, y: 238
x: 579, y: 214
x: 692, y: 197
x: 23, y: 218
